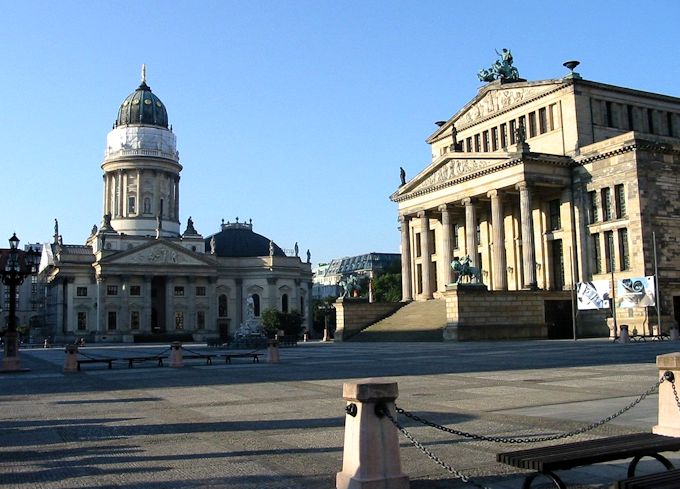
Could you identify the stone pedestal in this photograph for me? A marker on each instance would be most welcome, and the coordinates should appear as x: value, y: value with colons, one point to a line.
x: 70, y: 362
x: 176, y: 359
x: 623, y: 336
x: 273, y: 352
x: 370, y: 457
x: 11, y: 363
x: 669, y: 411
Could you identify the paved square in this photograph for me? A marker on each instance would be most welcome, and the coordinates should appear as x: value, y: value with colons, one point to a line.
x: 263, y: 425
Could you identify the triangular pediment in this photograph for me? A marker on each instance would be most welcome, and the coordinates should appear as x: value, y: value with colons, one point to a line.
x: 496, y: 98
x: 157, y: 253
x: 449, y: 169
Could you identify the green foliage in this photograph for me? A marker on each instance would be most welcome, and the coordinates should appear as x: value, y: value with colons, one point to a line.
x: 271, y: 321
x: 274, y: 320
x: 322, y: 308
x: 387, y: 285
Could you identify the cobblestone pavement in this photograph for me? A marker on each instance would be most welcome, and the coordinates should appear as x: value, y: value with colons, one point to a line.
x: 279, y: 426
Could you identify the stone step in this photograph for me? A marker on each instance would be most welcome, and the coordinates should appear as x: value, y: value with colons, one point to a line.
x: 417, y: 321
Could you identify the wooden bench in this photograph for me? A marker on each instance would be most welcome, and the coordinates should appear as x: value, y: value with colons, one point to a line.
x: 96, y: 360
x: 193, y: 356
x: 132, y: 360
x: 663, y: 480
x: 253, y: 354
x: 546, y: 460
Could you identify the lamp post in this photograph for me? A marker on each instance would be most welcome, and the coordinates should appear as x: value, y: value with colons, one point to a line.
x: 16, y: 265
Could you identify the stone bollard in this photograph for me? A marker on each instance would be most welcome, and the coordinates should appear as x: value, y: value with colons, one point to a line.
x: 370, y: 458
x: 273, y: 352
x: 623, y: 335
x: 305, y: 337
x: 46, y: 344
x: 71, y: 360
x: 669, y: 411
x: 176, y: 354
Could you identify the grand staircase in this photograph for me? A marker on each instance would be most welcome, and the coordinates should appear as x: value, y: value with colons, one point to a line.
x: 417, y: 321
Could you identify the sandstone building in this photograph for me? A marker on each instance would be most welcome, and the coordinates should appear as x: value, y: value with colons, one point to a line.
x: 138, y: 276
x: 545, y: 184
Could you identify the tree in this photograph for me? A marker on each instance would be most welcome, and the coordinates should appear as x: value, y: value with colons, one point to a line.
x: 271, y: 322
x: 387, y: 285
x: 274, y: 320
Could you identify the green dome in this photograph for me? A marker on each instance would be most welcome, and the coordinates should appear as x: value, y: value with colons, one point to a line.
x: 142, y: 107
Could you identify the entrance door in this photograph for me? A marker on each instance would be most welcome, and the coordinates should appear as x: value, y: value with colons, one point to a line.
x: 558, y: 318
x: 158, y: 305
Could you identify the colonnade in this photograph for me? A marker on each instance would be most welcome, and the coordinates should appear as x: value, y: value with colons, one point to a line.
x: 420, y: 220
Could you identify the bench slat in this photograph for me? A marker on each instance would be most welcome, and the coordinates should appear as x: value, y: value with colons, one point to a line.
x: 558, y: 457
x: 663, y: 480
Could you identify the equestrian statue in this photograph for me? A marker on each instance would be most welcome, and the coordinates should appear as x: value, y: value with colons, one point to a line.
x: 464, y: 269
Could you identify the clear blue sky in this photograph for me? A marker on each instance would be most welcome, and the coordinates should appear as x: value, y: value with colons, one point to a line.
x: 297, y: 114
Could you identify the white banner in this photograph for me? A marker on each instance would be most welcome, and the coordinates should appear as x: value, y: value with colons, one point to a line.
x: 635, y: 292
x: 593, y: 295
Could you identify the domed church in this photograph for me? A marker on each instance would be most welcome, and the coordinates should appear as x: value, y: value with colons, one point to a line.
x: 139, y: 277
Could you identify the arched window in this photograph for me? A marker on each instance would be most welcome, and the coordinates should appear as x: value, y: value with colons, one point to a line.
x: 222, y: 306
x: 147, y: 205
x: 256, y: 305
x: 284, y: 303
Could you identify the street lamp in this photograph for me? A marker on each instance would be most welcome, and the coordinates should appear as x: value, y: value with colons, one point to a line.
x: 16, y: 265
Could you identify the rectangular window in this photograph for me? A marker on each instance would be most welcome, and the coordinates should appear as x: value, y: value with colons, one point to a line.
x: 609, y: 251
x: 134, y: 319
x: 81, y: 291
x: 595, y: 242
x: 543, y: 120
x: 477, y: 145
x: 433, y: 243
x: 200, y: 319
x: 485, y: 141
x: 494, y: 138
x: 468, y: 145
x: 557, y: 264
x: 111, y: 290
x: 504, y: 135
x: 624, y: 255
x: 200, y: 291
x: 112, y: 321
x: 620, y: 200
x: 131, y: 204
x: 135, y: 290
x: 610, y: 114
x: 179, y: 320
x: 592, y: 201
x: 478, y: 231
x: 179, y: 291
x: 513, y: 131
x: 606, y: 204
x: 555, y: 219
x: 82, y: 321
x: 419, y: 251
x: 551, y: 117
x: 532, y: 124
x: 456, y: 229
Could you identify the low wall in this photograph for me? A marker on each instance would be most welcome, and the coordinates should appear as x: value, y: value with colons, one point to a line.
x: 474, y: 313
x: 353, y: 315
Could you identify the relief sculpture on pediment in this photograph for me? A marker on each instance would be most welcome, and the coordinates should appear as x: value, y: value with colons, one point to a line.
x: 157, y: 255
x: 494, y: 102
x: 455, y: 169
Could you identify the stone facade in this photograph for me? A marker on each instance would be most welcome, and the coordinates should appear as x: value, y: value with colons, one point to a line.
x: 545, y: 184
x: 138, y: 277
x: 353, y: 315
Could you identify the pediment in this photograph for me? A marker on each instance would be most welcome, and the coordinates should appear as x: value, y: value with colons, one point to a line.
x: 157, y: 253
x: 450, y: 170
x: 499, y: 99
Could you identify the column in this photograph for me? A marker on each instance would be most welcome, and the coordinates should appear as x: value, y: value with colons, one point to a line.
x: 271, y: 282
x: 239, y: 303
x: 406, y: 291
x: 498, y: 261
x: 528, y: 259
x: 471, y: 243
x: 169, y: 326
x: 101, y: 285
x: 105, y: 207
x: 146, y: 325
x: 124, y: 301
x: 177, y: 198
x: 426, y: 258
x: 125, y: 209
x: 138, y: 207
x: 119, y: 185
x: 445, y: 248
x: 190, y: 293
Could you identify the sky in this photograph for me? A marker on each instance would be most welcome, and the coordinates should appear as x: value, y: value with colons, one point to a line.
x: 296, y: 114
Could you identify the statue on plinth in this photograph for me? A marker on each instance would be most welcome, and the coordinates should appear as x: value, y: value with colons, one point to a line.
x: 465, y: 270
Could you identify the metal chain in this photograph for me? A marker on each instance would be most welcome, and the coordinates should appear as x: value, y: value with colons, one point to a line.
x: 536, y: 438
x: 675, y: 392
x: 456, y: 474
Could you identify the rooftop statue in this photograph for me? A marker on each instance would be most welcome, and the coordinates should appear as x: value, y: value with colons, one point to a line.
x: 502, y: 69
